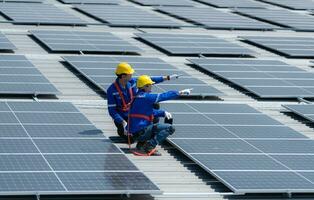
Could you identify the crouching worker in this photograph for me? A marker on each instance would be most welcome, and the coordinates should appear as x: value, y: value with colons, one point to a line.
x: 141, y: 127
x: 120, y: 95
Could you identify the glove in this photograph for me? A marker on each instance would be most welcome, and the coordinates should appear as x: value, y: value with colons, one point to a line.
x: 185, y: 91
x: 169, y: 77
x: 124, y: 123
x: 168, y: 115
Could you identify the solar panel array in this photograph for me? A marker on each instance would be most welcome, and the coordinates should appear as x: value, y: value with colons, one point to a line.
x: 285, y: 18
x: 291, y: 4
x: 183, y: 44
x: 126, y: 16
x: 264, y: 78
x: 292, y: 47
x: 164, y: 2
x: 246, y: 150
x: 19, y: 76
x: 111, y: 2
x: 216, y: 19
x: 51, y: 148
x: 304, y: 110
x: 234, y: 3
x: 61, y: 41
x: 100, y: 71
x: 26, y: 13
x: 5, y: 44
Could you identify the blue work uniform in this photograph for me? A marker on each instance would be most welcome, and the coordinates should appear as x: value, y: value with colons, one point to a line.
x: 118, y: 105
x: 142, y: 111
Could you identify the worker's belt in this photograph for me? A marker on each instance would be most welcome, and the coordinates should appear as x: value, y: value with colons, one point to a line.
x: 146, y: 117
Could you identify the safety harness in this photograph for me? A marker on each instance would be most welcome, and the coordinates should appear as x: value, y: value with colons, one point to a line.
x: 125, y: 106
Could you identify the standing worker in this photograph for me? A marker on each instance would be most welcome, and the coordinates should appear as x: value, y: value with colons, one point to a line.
x: 120, y: 95
x: 142, y: 113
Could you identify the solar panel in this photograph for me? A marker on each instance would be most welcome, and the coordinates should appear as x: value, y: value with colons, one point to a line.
x: 22, y: 1
x: 20, y: 76
x: 233, y: 3
x: 127, y: 16
x: 100, y: 71
x: 263, y: 78
x: 110, y: 2
x: 253, y: 156
x: 291, y: 4
x: 164, y: 2
x: 285, y: 18
x: 306, y: 111
x: 215, y: 19
x: 183, y: 44
x: 40, y: 160
x: 292, y: 47
x: 70, y: 41
x: 25, y: 13
x: 5, y: 44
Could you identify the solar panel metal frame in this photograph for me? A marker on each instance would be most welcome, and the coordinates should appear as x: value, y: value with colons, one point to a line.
x: 291, y: 5
x: 285, y: 52
x: 283, y: 18
x: 211, y: 18
x: 306, y: 93
x: 26, y: 13
x: 157, y: 87
x: 61, y: 107
x: 22, y: 84
x: 78, y: 38
x: 111, y: 15
x: 215, y: 173
x: 209, y: 51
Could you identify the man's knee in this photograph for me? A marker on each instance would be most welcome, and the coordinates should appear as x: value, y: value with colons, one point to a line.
x: 171, y: 129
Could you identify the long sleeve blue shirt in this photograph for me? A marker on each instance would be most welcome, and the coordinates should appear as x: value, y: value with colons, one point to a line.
x: 143, y: 105
x: 114, y: 100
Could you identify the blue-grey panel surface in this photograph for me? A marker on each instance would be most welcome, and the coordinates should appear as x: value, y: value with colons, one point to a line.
x: 306, y: 110
x: 292, y: 4
x: 23, y: 163
x: 70, y: 41
x: 282, y: 17
x: 132, y: 16
x: 234, y: 3
x: 165, y: 2
x: 184, y: 44
x: 17, y: 146
x: 5, y: 44
x: 109, y: 2
x: 25, y: 13
x: 52, y: 118
x: 284, y: 81
x: 215, y: 19
x: 291, y: 47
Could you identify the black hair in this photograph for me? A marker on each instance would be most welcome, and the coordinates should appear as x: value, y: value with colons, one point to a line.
x: 120, y: 75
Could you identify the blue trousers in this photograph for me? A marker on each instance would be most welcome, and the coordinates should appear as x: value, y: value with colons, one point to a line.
x: 155, y: 134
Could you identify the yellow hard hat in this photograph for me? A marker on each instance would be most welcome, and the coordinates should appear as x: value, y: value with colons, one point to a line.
x: 144, y: 80
x: 124, y: 68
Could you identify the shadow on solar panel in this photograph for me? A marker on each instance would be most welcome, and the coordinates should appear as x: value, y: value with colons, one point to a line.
x: 262, y: 79
x: 100, y: 71
x: 87, y: 42
x: 301, y: 112
x: 5, y: 44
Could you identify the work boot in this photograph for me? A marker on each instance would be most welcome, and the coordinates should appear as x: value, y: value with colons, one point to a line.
x: 140, y: 149
x: 151, y: 151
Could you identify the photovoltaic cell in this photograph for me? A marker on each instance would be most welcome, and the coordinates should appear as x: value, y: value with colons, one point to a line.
x: 183, y: 44
x: 100, y: 71
x: 70, y: 41
x: 237, y: 149
x: 285, y: 18
x: 291, y: 4
x: 5, y: 44
x: 165, y: 2
x: 283, y: 80
x: 19, y: 76
x: 51, y: 148
x: 234, y: 3
x: 110, y: 2
x: 292, y: 47
x: 25, y: 13
x: 131, y: 17
x: 215, y: 19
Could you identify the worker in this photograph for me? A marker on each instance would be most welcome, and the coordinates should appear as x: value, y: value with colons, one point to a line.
x: 121, y: 92
x: 141, y: 115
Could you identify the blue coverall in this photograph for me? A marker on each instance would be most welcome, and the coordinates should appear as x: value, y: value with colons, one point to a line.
x: 141, y: 115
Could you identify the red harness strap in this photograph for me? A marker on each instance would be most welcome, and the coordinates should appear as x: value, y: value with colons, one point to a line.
x: 125, y: 106
x: 148, y: 118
